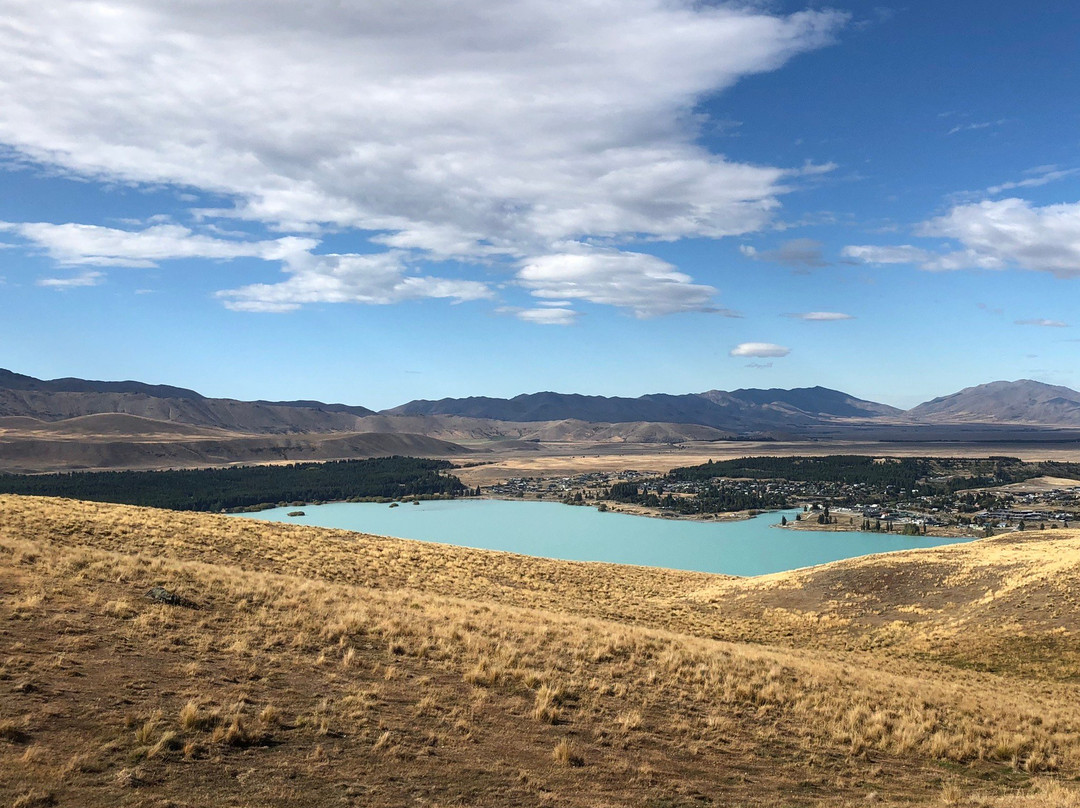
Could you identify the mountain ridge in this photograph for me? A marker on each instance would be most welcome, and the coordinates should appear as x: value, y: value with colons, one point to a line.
x: 738, y: 412
x: 1022, y: 400
x: 61, y: 399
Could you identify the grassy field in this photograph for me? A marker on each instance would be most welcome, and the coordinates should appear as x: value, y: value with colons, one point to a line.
x: 323, y: 667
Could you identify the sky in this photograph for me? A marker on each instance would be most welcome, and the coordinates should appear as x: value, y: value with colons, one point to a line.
x: 374, y: 202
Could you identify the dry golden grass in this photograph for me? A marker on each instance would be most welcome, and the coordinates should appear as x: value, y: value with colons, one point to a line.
x: 1006, y: 605
x: 328, y: 668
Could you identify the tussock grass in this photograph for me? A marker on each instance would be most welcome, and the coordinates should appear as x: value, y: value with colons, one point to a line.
x: 567, y: 754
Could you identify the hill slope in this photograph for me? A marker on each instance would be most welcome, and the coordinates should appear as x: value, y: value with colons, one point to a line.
x: 105, y: 424
x: 328, y: 667
x: 1022, y: 401
x: 61, y: 399
x: 46, y: 450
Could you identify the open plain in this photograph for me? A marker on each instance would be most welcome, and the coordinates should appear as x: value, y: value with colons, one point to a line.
x: 569, y: 459
x: 333, y: 668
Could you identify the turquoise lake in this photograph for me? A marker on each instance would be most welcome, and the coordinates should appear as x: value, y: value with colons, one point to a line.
x: 552, y: 530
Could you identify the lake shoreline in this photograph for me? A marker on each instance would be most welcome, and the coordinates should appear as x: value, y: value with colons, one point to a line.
x: 631, y: 509
x: 808, y: 524
x: 743, y: 546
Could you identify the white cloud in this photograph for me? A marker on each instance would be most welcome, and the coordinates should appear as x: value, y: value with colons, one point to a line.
x: 642, y: 283
x: 81, y: 244
x: 971, y: 127
x: 800, y: 252
x: 1011, y: 232
x: 474, y: 130
x: 382, y: 278
x: 87, y: 278
x: 820, y: 316
x: 993, y: 235
x: 549, y: 316
x: 1042, y: 175
x: 902, y: 254
x: 1042, y: 321
x: 759, y: 349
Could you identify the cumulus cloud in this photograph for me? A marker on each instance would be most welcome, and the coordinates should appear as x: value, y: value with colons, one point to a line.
x: 1042, y: 321
x: 476, y: 131
x: 1013, y: 232
x: 759, y: 350
x: 993, y: 235
x: 799, y: 252
x: 81, y: 244
x: 381, y: 278
x: 642, y: 283
x: 820, y: 316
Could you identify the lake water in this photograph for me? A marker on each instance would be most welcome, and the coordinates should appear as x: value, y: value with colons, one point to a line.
x: 552, y: 530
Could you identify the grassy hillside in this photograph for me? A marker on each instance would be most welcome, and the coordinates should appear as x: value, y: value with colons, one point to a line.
x: 328, y: 668
x: 32, y: 451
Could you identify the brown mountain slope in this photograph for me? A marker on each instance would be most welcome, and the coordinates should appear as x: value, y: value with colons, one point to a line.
x: 227, y: 414
x: 31, y: 453
x: 327, y: 667
x: 453, y: 427
x: 1022, y: 401
x: 20, y: 422
x: 59, y: 399
x: 111, y: 424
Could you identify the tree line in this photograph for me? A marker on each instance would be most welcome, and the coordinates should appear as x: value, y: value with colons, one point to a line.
x: 928, y: 474
x: 900, y: 473
x: 711, y: 499
x: 240, y: 487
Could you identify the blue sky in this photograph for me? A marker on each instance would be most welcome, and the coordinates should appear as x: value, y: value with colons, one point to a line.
x: 359, y: 204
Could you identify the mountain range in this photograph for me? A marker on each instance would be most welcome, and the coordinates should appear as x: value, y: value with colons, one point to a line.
x: 60, y: 399
x: 739, y: 410
x: 722, y: 413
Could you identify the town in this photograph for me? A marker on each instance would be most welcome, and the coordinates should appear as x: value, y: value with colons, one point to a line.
x: 935, y: 504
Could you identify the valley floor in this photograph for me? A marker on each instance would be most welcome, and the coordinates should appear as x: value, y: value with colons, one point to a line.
x: 330, y: 668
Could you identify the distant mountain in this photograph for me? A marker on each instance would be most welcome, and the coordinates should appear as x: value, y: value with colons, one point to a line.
x: 740, y: 410
x: 549, y: 417
x: 60, y: 399
x: 817, y: 400
x: 17, y: 381
x: 1023, y: 401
